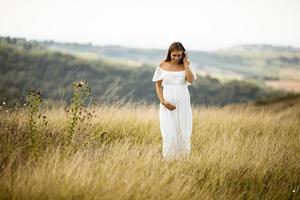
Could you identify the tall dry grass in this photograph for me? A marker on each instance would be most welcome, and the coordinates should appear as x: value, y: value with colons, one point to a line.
x: 238, y: 152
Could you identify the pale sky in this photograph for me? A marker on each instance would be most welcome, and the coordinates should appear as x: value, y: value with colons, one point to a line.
x: 198, y: 24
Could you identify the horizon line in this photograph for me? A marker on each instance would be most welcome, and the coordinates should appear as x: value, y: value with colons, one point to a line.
x: 28, y: 39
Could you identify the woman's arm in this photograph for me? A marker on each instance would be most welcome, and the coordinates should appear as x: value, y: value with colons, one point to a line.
x: 161, y: 97
x: 189, y: 74
x: 159, y: 91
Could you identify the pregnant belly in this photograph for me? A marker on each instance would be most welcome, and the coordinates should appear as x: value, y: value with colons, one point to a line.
x: 176, y: 94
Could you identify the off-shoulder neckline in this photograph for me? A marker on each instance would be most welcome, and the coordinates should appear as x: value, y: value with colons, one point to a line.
x: 170, y: 71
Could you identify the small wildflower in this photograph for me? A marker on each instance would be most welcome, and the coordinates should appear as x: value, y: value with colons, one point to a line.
x: 103, y: 133
x: 79, y: 84
x: 3, y: 103
x: 294, y: 190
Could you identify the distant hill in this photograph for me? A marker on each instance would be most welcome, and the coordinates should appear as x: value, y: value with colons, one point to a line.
x: 282, y: 105
x: 30, y: 64
x: 258, y: 62
x: 116, y: 52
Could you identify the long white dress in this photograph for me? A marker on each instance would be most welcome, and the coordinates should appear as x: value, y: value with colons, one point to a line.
x: 175, y: 125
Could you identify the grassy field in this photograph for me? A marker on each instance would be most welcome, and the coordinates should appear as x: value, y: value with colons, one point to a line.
x: 238, y: 152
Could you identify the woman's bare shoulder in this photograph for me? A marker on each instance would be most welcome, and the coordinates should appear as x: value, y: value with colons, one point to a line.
x: 163, y: 64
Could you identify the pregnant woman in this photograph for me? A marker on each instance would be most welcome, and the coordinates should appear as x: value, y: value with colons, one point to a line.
x: 171, y: 78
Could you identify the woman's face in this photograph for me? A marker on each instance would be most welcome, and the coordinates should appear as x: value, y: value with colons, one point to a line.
x: 176, y: 56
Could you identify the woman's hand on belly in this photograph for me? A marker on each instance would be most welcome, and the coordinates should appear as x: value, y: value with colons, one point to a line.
x: 168, y: 105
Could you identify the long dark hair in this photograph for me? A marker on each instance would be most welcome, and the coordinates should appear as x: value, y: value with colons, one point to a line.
x: 175, y: 46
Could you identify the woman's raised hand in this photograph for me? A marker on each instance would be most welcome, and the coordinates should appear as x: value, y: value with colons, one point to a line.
x: 168, y: 105
x: 185, y: 59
